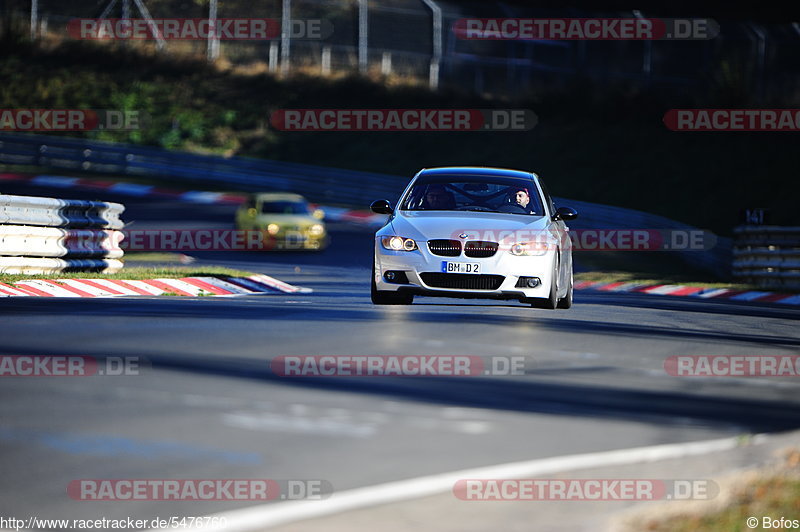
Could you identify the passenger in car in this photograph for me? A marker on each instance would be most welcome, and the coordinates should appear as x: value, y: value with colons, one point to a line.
x: 437, y: 197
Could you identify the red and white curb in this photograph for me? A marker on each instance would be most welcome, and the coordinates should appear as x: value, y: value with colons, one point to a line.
x: 332, y: 214
x: 186, y: 286
x: 691, y: 291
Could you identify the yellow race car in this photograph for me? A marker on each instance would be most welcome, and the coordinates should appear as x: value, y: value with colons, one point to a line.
x: 286, y: 220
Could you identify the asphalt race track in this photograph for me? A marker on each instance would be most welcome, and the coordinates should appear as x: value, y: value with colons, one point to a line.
x: 206, y: 404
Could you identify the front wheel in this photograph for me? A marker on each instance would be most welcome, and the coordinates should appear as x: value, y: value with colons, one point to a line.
x: 566, y: 301
x: 382, y: 297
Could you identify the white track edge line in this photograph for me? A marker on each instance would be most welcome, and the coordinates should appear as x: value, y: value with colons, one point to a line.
x: 265, y: 516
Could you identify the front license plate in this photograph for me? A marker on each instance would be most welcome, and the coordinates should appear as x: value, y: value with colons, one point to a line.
x: 460, y: 267
x: 294, y: 237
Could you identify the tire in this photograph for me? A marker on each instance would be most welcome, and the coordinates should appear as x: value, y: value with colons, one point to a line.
x: 382, y: 297
x: 566, y: 301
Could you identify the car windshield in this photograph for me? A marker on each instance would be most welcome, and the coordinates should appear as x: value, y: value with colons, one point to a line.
x: 492, y: 194
x: 285, y: 207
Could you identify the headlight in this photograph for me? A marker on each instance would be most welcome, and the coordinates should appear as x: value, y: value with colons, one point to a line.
x: 273, y: 229
x: 530, y: 248
x: 398, y: 243
x: 316, y: 230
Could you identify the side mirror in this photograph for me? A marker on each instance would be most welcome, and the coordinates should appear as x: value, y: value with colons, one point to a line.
x: 381, y: 207
x: 565, y: 213
x: 251, y: 212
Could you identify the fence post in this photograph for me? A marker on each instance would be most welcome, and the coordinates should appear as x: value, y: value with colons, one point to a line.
x: 647, y: 59
x: 126, y: 15
x: 286, y: 29
x: 436, y: 57
x: 213, y: 37
x: 386, y: 63
x: 34, y: 18
x: 326, y: 60
x: 273, y: 56
x: 363, y: 35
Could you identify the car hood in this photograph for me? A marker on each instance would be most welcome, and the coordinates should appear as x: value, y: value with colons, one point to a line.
x: 477, y: 225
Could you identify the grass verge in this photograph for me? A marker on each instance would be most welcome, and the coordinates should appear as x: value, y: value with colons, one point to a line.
x: 160, y: 257
x: 772, y: 495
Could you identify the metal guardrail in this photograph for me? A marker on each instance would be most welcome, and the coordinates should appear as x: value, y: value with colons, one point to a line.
x: 48, y: 235
x: 323, y: 185
x: 39, y: 265
x: 318, y: 184
x: 716, y: 260
x: 767, y: 255
x: 52, y: 212
x: 31, y: 241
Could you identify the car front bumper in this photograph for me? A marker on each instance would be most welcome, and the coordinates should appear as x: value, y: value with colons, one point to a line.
x: 421, y: 261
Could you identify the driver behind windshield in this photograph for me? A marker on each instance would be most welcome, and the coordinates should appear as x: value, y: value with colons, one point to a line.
x: 518, y: 201
x: 523, y: 198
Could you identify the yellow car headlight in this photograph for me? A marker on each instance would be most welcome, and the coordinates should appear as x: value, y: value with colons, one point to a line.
x: 273, y: 229
x: 316, y: 230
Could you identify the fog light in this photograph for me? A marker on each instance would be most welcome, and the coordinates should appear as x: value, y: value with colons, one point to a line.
x: 395, y: 277
x: 528, y: 282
